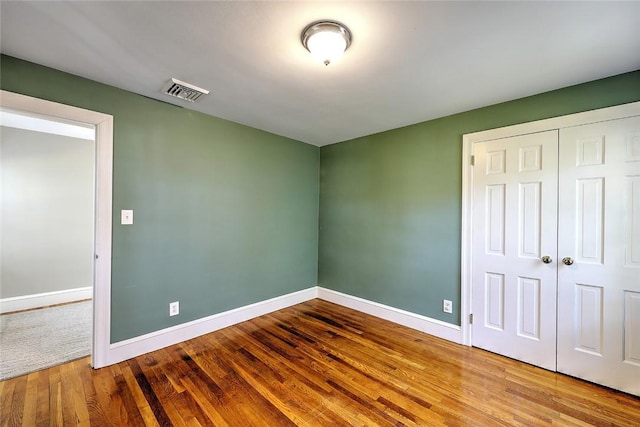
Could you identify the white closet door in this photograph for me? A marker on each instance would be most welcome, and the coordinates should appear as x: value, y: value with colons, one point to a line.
x: 599, y: 230
x: 515, y: 226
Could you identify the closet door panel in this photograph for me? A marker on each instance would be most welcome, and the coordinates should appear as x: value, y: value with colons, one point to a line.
x: 515, y: 226
x: 599, y: 238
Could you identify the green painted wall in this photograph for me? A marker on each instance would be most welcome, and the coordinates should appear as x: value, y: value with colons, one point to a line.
x: 225, y: 215
x: 390, y: 203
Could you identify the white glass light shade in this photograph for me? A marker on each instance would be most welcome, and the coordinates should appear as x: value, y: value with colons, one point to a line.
x: 326, y: 46
x: 326, y: 40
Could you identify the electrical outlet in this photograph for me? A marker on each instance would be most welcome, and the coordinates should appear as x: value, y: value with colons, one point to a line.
x: 174, y: 308
x: 447, y: 306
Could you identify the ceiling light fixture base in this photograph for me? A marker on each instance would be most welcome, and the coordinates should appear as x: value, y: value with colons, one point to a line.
x: 326, y: 39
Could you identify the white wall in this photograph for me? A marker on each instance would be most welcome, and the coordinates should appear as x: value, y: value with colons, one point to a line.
x: 46, y: 212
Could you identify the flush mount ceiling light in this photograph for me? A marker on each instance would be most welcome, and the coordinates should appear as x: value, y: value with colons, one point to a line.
x: 326, y: 40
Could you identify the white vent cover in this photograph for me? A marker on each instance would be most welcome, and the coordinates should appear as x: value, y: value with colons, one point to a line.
x: 182, y: 90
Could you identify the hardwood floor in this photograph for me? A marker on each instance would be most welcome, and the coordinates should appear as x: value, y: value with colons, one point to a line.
x: 314, y: 364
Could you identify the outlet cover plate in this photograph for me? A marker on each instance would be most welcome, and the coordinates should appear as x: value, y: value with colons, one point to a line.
x: 447, y: 306
x: 174, y: 308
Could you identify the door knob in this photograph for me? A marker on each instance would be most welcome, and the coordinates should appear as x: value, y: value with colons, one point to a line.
x: 546, y: 259
x: 567, y: 260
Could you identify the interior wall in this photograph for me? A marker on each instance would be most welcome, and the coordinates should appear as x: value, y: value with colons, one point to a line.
x: 224, y: 215
x: 390, y: 203
x: 46, y: 225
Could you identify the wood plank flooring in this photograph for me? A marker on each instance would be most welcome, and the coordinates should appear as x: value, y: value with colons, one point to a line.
x: 314, y: 364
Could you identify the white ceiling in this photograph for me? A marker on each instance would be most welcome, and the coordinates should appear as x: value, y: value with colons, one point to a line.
x: 409, y: 61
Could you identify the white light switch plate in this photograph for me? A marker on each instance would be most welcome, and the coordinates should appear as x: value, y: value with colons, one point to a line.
x: 126, y: 217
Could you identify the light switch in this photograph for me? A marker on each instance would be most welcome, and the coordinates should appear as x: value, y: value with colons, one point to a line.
x: 126, y: 217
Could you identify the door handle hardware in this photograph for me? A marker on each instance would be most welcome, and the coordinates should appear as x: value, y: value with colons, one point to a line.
x: 567, y: 260
x: 546, y: 259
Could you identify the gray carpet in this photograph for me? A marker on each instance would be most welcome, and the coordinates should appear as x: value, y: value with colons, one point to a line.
x: 38, y: 339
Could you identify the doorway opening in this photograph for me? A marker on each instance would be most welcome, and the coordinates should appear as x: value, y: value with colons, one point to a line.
x: 101, y: 125
x: 47, y: 181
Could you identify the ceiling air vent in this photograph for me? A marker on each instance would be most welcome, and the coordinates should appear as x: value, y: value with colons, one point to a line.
x: 182, y: 90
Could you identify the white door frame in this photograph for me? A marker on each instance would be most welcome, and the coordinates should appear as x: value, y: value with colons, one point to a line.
x: 468, y: 141
x: 103, y: 209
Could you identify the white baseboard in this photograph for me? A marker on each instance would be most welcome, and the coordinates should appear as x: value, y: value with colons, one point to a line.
x: 421, y: 323
x: 123, y: 350
x: 133, y: 347
x: 27, y: 302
